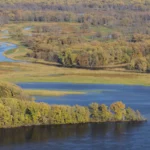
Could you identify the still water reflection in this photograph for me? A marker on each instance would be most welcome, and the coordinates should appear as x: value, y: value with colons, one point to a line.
x: 84, y: 136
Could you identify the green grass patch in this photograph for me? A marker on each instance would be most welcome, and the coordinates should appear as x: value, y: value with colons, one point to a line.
x: 30, y: 72
x: 9, y: 52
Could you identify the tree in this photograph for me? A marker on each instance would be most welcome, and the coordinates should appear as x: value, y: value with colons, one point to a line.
x: 5, y: 116
x: 105, y: 114
x: 94, y: 111
x: 118, y: 108
x: 130, y: 114
x: 16, y: 33
x: 139, y: 64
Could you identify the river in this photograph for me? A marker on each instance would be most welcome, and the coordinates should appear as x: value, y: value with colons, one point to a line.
x: 4, y: 46
x: 105, y: 136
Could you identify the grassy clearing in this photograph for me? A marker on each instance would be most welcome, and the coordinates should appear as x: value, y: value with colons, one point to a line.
x: 29, y: 72
x: 51, y: 93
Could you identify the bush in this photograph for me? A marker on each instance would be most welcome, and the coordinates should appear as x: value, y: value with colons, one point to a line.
x: 9, y: 90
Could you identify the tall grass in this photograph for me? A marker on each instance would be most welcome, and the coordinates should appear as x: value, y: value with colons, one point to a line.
x: 51, y: 93
x: 29, y: 72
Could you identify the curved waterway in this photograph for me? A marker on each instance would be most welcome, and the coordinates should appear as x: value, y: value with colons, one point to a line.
x: 4, y: 46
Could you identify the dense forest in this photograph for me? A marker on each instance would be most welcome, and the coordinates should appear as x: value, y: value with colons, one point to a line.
x: 101, y: 33
x: 18, y: 109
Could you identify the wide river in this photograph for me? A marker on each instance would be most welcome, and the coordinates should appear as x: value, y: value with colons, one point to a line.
x: 102, y: 136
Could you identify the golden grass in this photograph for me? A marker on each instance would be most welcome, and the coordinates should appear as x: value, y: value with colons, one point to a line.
x: 29, y: 72
x: 40, y: 92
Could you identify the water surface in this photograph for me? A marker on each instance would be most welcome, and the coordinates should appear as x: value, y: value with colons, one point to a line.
x: 105, y: 136
x: 4, y: 46
x: 27, y: 28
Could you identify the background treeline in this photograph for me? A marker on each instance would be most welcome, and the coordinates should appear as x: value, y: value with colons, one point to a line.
x: 103, y: 33
x: 132, y: 14
x: 15, y: 112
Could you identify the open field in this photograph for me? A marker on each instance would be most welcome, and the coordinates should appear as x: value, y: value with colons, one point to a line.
x: 30, y: 72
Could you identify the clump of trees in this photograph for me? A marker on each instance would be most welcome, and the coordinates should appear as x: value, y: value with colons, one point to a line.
x: 16, y: 33
x: 14, y: 113
x: 4, y: 18
x: 10, y: 90
x: 77, y: 52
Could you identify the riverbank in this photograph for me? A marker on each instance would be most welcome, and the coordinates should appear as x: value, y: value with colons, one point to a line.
x: 59, y: 125
x: 30, y: 72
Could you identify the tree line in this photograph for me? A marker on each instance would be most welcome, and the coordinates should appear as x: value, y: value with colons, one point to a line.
x: 131, y: 15
x: 14, y: 113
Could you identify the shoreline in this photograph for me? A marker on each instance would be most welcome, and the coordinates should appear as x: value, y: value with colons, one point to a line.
x: 87, y: 83
x: 35, y: 125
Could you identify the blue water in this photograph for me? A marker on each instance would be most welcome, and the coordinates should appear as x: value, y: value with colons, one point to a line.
x: 4, y: 46
x: 27, y: 28
x: 105, y: 136
x: 5, y: 32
